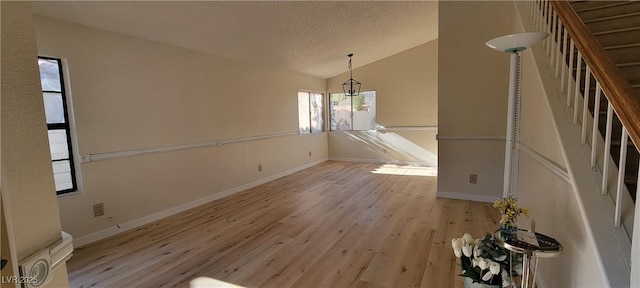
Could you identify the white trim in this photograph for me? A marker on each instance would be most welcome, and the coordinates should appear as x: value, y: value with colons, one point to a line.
x: 466, y: 196
x: 218, y: 143
x: 62, y: 250
x: 470, y: 137
x: 560, y: 171
x: 87, y: 239
x: 384, y: 161
x: 411, y: 128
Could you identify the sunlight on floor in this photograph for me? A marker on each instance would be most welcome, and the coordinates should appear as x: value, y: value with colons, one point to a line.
x: 206, y: 282
x: 409, y: 170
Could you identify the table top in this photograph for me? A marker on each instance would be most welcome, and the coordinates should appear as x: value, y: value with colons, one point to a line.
x: 530, y: 243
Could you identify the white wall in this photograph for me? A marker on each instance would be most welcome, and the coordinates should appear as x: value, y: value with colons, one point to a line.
x: 559, y: 209
x: 131, y: 94
x: 29, y: 206
x: 473, y: 95
x: 552, y: 201
x: 472, y: 98
x: 406, y: 86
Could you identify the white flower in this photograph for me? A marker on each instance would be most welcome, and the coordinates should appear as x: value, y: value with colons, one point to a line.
x: 468, y: 238
x: 501, y: 258
x: 483, y: 264
x: 467, y: 250
x: 474, y: 262
x: 457, y: 243
x: 477, y: 251
x: 487, y: 276
x: 494, y: 268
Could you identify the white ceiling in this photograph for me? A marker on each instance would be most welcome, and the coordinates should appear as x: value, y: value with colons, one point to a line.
x: 309, y: 37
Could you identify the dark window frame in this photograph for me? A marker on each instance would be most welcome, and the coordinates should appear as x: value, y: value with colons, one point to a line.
x: 63, y: 126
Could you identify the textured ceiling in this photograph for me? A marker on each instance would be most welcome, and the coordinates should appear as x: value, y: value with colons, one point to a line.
x: 309, y: 37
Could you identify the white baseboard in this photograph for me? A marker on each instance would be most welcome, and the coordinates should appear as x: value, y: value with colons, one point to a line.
x: 466, y: 196
x: 384, y: 161
x: 84, y: 240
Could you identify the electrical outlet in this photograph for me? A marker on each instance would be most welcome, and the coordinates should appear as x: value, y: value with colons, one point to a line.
x: 98, y: 209
x: 473, y: 178
x: 259, y: 167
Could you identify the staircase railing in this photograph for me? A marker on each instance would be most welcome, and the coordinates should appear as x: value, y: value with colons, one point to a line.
x: 570, y: 46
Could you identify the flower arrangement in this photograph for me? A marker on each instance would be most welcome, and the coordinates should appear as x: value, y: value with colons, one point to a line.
x: 509, y: 210
x: 485, y: 261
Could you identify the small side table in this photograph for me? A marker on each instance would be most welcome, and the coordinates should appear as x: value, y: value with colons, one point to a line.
x: 531, y: 245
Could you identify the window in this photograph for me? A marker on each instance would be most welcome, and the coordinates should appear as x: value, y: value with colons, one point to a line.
x: 57, y: 115
x: 310, y: 118
x: 353, y: 112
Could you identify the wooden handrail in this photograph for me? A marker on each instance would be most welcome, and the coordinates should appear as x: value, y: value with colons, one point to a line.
x: 616, y: 88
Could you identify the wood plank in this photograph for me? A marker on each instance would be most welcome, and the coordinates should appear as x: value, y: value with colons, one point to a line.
x: 337, y: 224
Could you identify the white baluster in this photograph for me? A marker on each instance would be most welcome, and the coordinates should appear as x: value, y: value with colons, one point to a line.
x: 622, y: 167
x: 585, y: 106
x: 557, y: 49
x: 570, y: 77
x: 549, y: 24
x: 554, y: 32
x: 607, y: 150
x: 538, y: 15
x: 564, y: 66
x: 596, y: 121
x: 577, y: 90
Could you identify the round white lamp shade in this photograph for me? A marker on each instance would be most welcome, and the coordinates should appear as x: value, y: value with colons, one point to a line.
x: 516, y: 42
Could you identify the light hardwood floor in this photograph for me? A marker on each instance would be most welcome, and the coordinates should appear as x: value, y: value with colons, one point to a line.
x: 337, y: 224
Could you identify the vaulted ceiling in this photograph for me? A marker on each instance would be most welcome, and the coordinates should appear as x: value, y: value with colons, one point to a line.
x: 309, y: 37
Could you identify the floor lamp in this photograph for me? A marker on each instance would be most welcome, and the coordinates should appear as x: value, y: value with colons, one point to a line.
x: 514, y: 44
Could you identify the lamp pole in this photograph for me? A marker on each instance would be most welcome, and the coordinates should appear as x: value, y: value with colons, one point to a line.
x: 514, y: 44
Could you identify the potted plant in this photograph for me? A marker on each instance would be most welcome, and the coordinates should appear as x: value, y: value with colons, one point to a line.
x: 484, y: 263
x: 507, y: 206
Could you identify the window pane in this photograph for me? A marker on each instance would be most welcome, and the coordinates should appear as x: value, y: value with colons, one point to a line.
x: 340, y: 111
x: 364, y: 111
x: 58, y: 144
x: 317, y: 122
x: 49, y: 75
x: 62, y: 175
x: 303, y: 113
x: 53, y: 107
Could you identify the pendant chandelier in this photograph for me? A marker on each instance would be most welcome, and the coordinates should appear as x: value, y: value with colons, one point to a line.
x: 351, y: 87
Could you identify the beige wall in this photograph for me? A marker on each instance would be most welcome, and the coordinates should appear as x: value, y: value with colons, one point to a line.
x: 406, y: 86
x: 29, y: 203
x: 131, y: 94
x: 553, y: 202
x: 472, y: 98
